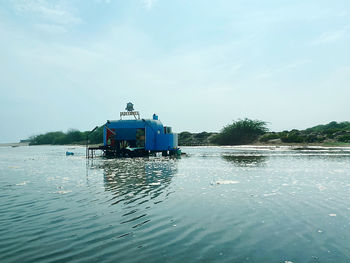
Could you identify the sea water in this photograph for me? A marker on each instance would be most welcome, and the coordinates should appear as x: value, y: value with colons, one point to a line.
x: 216, y: 204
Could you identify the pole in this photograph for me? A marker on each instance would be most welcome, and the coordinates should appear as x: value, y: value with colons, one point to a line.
x: 87, y: 155
x: 87, y: 147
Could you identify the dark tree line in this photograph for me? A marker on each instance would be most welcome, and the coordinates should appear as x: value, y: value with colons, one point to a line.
x: 70, y: 137
x: 248, y: 131
x: 331, y: 132
x: 243, y: 131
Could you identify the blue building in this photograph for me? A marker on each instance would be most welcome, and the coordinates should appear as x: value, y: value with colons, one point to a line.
x: 138, y: 137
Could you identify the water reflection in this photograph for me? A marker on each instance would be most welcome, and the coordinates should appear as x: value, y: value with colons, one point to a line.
x: 137, y: 185
x: 246, y: 160
x: 138, y: 177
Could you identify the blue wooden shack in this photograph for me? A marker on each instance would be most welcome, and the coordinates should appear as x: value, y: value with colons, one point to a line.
x: 138, y: 137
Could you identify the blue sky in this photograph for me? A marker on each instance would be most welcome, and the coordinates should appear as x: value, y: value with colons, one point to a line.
x: 198, y: 64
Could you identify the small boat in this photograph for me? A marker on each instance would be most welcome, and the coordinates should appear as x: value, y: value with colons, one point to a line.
x: 69, y: 153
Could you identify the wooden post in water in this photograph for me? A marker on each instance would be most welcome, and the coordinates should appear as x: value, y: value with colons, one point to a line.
x: 87, y: 154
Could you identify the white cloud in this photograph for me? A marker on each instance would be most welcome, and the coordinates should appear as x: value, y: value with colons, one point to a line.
x: 103, y: 1
x: 343, y: 14
x: 51, y: 28
x: 331, y: 36
x: 148, y: 3
x: 46, y: 10
x: 270, y: 72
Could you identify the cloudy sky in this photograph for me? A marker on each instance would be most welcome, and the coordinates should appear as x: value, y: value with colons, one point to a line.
x: 198, y: 64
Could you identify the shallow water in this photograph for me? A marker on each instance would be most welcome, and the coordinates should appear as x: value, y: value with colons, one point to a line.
x: 225, y: 204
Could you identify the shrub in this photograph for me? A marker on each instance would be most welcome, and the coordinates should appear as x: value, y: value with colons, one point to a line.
x: 344, y: 138
x: 240, y: 132
x: 72, y: 136
x: 269, y: 136
x: 96, y: 136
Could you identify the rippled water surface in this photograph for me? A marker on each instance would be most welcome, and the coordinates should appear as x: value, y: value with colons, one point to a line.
x: 229, y: 204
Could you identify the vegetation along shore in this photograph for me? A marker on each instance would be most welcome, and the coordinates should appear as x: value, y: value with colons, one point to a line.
x: 240, y: 132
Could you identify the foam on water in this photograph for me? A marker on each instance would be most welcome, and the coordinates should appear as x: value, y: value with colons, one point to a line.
x: 226, y: 182
x: 23, y: 183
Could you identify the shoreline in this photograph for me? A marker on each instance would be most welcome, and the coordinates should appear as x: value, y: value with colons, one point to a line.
x: 14, y: 144
x: 257, y: 145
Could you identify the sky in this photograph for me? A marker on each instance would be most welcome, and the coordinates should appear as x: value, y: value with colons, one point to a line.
x: 200, y: 65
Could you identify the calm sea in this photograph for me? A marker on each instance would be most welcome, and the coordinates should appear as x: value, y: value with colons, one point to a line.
x: 217, y: 204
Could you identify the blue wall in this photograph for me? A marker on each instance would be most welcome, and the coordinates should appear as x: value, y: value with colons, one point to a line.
x: 156, y: 139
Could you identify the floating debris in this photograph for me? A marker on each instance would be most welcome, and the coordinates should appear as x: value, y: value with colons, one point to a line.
x: 226, y: 182
x: 63, y: 192
x: 270, y: 194
x: 320, y: 187
x: 23, y: 183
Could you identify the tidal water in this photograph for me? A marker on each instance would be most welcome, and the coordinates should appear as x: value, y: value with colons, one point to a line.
x: 217, y: 204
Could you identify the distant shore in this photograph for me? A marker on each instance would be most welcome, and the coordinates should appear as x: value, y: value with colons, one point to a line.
x: 14, y: 144
x: 257, y: 144
x: 324, y: 144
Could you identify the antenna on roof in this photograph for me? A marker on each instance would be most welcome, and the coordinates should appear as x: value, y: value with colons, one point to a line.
x: 129, y: 107
x: 130, y: 111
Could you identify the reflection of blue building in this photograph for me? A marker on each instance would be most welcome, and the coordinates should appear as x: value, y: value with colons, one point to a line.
x: 138, y: 137
x: 141, y: 180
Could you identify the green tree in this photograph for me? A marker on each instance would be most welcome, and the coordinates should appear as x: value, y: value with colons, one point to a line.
x: 47, y: 138
x: 240, y: 132
x: 71, y: 137
x: 269, y: 136
x: 74, y: 136
x: 96, y: 136
x: 293, y: 136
